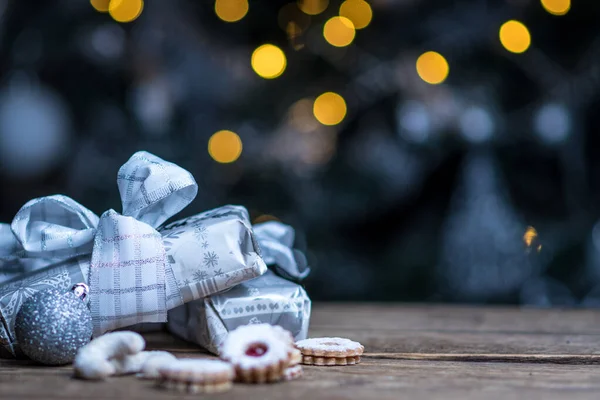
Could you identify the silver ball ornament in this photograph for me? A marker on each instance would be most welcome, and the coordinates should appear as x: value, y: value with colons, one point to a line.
x: 52, y: 325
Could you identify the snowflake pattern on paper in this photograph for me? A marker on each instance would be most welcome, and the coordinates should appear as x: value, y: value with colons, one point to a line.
x: 13, y: 295
x: 219, y: 272
x: 200, y: 275
x: 200, y: 232
x: 211, y: 259
x: 204, y: 245
x: 171, y: 235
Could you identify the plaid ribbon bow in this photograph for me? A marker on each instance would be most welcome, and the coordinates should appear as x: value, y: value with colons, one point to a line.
x: 128, y: 268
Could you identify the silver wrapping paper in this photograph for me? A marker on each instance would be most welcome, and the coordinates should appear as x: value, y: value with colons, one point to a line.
x: 207, y: 253
x: 266, y: 299
x: 211, y: 252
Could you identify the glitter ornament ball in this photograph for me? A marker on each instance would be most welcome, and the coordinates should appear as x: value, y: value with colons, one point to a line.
x: 52, y: 325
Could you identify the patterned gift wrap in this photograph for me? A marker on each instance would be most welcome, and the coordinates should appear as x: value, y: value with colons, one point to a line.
x: 266, y: 299
x: 206, y: 254
x: 136, y: 268
x: 211, y: 252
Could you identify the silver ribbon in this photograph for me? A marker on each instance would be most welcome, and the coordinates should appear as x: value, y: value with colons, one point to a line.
x: 128, y: 267
x: 276, y: 242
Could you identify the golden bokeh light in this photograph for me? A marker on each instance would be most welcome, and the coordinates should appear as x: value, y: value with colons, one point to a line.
x: 125, y: 10
x: 529, y: 236
x: 313, y: 7
x: 557, y: 7
x: 329, y: 108
x: 225, y: 146
x: 515, y: 36
x: 268, y: 61
x: 100, y: 5
x: 231, y: 10
x: 432, y: 67
x: 339, y: 31
x: 357, y: 11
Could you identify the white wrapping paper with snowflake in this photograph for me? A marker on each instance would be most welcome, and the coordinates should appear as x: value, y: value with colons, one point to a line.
x: 275, y: 297
x: 212, y: 251
x: 136, y: 268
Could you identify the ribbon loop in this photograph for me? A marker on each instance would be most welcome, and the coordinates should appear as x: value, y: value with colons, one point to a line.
x: 127, y: 269
x: 276, y: 241
x: 54, y: 226
x: 153, y: 190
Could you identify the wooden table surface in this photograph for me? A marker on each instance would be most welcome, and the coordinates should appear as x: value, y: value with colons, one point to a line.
x: 411, y: 352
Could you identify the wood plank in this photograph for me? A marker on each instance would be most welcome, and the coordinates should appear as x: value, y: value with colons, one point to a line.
x: 414, y: 352
x: 373, y: 379
x: 385, y: 328
x: 454, y: 318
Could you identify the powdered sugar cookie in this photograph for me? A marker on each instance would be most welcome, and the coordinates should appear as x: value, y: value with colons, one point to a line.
x: 260, y: 353
x: 330, y: 351
x: 283, y: 334
x: 292, y: 373
x: 154, y: 361
x: 197, y: 376
x: 295, y: 354
x: 295, y: 357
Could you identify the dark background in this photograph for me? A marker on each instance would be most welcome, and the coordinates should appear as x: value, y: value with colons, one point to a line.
x: 423, y: 192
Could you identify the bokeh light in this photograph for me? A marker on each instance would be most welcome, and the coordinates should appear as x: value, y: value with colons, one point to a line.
x: 225, y: 146
x: 529, y: 236
x: 339, y: 31
x: 329, y: 108
x: 100, y: 5
x: 476, y: 124
x: 357, y: 11
x: 231, y: 10
x: 313, y: 7
x: 415, y: 121
x: 515, y: 36
x: 552, y: 123
x: 268, y: 61
x: 125, y: 10
x: 301, y: 117
x: 265, y: 218
x: 36, y: 125
x: 557, y: 7
x: 432, y: 67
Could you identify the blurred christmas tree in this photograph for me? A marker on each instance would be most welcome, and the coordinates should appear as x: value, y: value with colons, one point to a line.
x: 411, y: 142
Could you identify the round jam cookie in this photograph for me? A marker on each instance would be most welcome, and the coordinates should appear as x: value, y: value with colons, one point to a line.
x: 197, y: 376
x: 284, y: 334
x: 295, y: 354
x: 260, y: 353
x: 330, y: 351
x: 292, y: 373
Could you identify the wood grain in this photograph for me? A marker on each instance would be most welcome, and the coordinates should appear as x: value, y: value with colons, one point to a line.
x: 412, y: 352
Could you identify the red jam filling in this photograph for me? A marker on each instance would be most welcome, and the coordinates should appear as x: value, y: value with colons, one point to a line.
x: 256, y: 350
